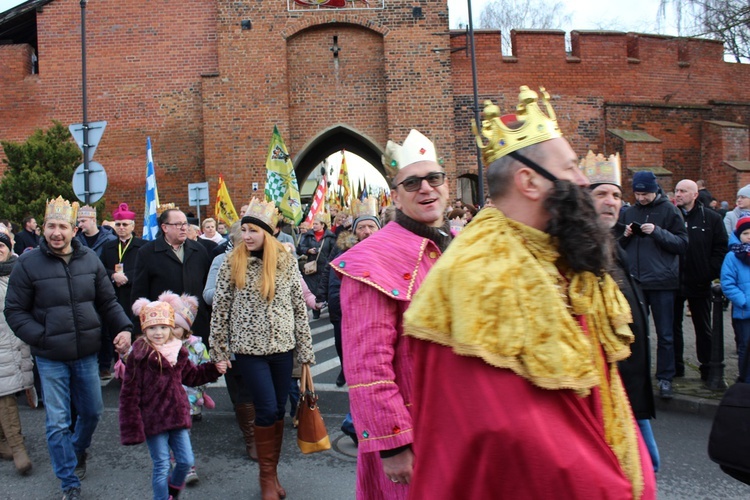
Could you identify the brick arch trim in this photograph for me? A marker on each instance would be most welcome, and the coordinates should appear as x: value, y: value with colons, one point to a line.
x: 332, y: 139
x: 332, y: 18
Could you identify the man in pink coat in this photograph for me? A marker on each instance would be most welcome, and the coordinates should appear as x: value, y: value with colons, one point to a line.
x: 379, y: 277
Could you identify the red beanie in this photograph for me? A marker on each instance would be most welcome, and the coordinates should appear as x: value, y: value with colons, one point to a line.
x: 742, y: 225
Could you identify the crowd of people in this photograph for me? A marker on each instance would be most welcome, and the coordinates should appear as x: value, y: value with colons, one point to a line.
x: 546, y: 360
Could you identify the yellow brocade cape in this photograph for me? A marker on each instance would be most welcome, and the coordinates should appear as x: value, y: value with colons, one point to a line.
x: 498, y: 294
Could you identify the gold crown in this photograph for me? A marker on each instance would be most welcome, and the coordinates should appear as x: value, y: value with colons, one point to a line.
x: 87, y: 211
x: 367, y: 207
x: 323, y: 217
x: 63, y: 210
x: 602, y: 170
x: 264, y: 213
x: 535, y: 126
x: 157, y: 313
x: 160, y: 209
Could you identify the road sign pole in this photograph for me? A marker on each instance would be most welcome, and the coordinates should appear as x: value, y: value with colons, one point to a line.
x: 87, y: 194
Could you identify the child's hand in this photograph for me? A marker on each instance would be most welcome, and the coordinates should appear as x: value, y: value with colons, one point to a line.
x: 221, y: 367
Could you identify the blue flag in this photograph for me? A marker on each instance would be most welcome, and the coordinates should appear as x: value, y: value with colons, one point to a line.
x: 150, y: 222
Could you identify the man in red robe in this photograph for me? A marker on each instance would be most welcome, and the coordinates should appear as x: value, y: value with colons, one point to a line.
x: 516, y: 388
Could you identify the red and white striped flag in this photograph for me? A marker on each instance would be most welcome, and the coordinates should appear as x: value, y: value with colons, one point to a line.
x: 318, y: 200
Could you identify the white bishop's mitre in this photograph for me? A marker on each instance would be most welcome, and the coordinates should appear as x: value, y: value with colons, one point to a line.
x: 416, y: 148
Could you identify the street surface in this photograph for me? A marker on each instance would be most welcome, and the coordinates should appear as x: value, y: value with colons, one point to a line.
x: 116, y: 471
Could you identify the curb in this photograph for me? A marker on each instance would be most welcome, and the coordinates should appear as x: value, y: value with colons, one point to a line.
x: 683, y: 403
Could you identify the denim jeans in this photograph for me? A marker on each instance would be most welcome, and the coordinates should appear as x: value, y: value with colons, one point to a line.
x: 61, y: 381
x: 268, y: 379
x: 742, y: 333
x: 178, y: 440
x: 661, y: 304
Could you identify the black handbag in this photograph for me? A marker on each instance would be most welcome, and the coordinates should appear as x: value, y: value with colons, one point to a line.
x: 729, y: 442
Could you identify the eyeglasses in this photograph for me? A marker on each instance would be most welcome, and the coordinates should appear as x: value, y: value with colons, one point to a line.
x: 434, y: 179
x: 122, y: 224
x: 178, y: 225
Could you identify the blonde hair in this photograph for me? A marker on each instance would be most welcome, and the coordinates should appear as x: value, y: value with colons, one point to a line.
x: 144, y: 338
x: 207, y: 221
x: 273, y: 251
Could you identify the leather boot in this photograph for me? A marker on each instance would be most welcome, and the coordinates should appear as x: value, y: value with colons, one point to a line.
x: 245, y: 413
x: 279, y: 431
x: 11, y: 423
x: 5, y: 453
x: 265, y: 441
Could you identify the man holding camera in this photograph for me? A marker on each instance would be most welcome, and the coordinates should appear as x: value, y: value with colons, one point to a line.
x: 655, y: 237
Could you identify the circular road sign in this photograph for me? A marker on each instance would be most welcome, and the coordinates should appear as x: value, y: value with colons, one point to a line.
x: 97, y: 182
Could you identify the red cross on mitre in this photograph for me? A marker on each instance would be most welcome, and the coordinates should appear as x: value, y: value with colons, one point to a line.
x: 422, y: 151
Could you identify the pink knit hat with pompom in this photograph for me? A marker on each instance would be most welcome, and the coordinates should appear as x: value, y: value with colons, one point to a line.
x: 185, y: 308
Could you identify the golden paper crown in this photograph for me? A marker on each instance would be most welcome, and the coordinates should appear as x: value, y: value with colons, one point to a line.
x: 160, y: 209
x: 535, y: 126
x: 602, y: 170
x: 262, y: 214
x: 416, y: 148
x: 323, y: 217
x: 157, y: 313
x: 367, y: 207
x: 63, y: 210
x: 87, y: 211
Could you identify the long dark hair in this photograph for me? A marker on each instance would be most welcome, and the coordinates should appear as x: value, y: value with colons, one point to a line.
x: 582, y: 242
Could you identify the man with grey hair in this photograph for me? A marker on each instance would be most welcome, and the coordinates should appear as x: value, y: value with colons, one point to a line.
x: 701, y: 264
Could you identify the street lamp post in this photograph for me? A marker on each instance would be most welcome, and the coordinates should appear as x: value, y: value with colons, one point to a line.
x: 86, y: 190
x: 480, y: 173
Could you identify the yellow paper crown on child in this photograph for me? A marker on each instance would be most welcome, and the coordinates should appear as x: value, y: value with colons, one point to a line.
x: 602, y: 170
x: 367, y: 207
x: 60, y: 209
x: 532, y: 126
x: 263, y: 214
x: 156, y: 313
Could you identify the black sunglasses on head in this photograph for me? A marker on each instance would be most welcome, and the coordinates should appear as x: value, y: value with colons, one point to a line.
x: 434, y: 179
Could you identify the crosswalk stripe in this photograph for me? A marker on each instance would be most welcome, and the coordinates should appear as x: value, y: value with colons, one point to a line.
x: 325, y: 366
x: 324, y: 344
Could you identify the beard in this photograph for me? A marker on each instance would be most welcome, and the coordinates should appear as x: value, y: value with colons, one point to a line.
x: 583, y: 244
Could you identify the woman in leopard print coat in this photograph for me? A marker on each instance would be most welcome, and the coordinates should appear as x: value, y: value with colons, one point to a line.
x: 259, y: 316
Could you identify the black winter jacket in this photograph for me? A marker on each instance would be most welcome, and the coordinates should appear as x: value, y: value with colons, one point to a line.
x: 654, y: 258
x: 707, y: 246
x: 57, y: 307
x: 111, y: 256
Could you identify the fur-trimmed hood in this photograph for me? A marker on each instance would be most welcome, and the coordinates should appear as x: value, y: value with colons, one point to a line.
x: 346, y: 240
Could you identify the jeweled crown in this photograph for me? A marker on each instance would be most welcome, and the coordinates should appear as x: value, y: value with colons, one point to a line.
x: 264, y: 212
x: 416, y: 147
x: 160, y: 209
x: 367, y: 207
x: 156, y: 313
x: 87, y: 211
x: 505, y: 134
x: 60, y: 209
x: 602, y: 170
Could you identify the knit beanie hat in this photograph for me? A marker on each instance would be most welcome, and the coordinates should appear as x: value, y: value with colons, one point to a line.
x: 5, y: 240
x: 745, y: 191
x: 365, y: 217
x: 185, y: 308
x: 645, y: 182
x: 742, y: 225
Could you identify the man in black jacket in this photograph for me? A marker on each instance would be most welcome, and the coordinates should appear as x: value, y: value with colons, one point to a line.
x: 58, y: 297
x: 27, y: 237
x: 654, y: 238
x: 700, y: 265
x: 173, y: 262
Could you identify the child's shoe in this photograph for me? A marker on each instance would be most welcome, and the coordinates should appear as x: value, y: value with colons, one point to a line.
x: 192, y: 477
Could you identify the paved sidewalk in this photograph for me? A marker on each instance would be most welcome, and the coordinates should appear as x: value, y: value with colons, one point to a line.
x: 691, y: 393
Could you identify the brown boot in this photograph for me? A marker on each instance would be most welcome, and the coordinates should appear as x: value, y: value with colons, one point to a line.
x: 11, y: 423
x: 279, y: 428
x: 265, y: 441
x: 5, y: 452
x: 245, y: 413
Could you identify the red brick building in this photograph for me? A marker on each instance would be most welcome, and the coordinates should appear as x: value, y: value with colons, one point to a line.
x: 208, y: 80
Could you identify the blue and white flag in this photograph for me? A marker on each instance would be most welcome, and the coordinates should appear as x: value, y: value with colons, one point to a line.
x: 150, y: 220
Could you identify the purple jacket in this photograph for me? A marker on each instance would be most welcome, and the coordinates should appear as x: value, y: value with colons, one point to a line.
x: 152, y: 399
